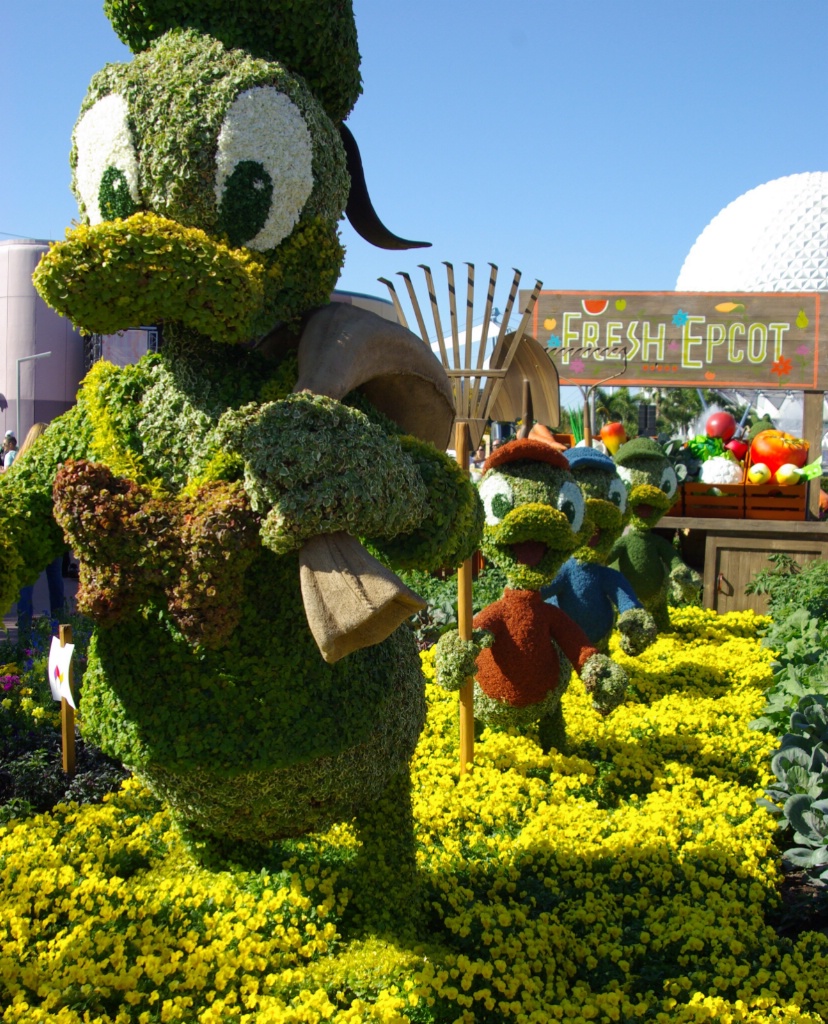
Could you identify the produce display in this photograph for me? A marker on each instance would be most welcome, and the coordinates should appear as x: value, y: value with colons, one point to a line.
x: 752, y: 472
x: 776, y: 449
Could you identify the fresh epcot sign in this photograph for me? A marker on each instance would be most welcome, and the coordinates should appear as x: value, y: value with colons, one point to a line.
x: 689, y: 339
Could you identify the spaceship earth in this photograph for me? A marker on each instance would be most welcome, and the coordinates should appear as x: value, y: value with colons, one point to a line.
x: 773, y: 238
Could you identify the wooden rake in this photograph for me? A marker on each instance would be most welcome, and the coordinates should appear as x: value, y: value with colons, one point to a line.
x: 475, y: 387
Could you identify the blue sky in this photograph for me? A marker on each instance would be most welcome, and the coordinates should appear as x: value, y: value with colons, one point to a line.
x: 586, y: 142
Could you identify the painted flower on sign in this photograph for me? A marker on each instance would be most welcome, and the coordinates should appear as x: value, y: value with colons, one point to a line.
x: 680, y: 318
x: 782, y: 367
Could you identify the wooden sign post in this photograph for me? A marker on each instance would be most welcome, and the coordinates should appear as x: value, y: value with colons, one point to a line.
x: 67, y: 712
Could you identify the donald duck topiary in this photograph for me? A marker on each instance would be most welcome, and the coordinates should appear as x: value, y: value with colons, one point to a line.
x: 595, y: 596
x: 250, y: 658
x: 651, y: 564
x: 523, y: 650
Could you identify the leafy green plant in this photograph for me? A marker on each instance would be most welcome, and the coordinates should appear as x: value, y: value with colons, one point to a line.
x: 801, y: 768
x: 789, y: 585
x: 798, y: 604
x: 682, y: 458
x: 574, y: 420
x: 32, y: 779
x: 440, y: 595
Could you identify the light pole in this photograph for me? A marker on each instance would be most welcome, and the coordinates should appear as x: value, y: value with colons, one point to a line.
x: 24, y: 359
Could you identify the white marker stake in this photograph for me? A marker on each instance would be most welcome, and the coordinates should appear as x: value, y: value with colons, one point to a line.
x: 60, y: 683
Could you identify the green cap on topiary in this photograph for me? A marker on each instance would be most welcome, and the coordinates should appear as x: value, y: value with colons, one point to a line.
x: 638, y: 448
x: 316, y: 39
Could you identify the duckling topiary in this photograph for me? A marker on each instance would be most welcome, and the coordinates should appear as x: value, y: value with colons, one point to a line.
x: 523, y: 649
x: 586, y: 588
x: 651, y: 564
x: 251, y: 659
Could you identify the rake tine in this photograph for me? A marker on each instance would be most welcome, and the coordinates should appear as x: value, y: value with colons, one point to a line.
x: 395, y: 299
x: 504, y: 323
x: 498, y: 354
x: 469, y: 315
x: 455, y: 337
x: 524, y: 321
x: 435, y: 312
x: 460, y: 390
x: 413, y: 296
x: 484, y: 334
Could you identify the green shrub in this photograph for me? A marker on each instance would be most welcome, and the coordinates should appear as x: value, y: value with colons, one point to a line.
x: 801, y: 768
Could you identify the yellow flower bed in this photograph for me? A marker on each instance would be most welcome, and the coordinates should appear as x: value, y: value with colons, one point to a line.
x: 628, y: 881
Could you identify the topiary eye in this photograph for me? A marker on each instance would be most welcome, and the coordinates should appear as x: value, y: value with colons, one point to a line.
x: 617, y: 494
x: 669, y: 481
x: 114, y: 200
x: 264, y: 168
x: 106, y: 167
x: 497, y: 497
x: 245, y: 204
x: 571, y: 503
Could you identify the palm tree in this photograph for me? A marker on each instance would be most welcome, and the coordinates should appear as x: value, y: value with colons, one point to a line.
x: 617, y: 404
x: 676, y: 409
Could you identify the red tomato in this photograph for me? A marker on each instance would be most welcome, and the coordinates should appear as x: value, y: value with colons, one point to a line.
x: 721, y: 424
x: 739, y: 448
x: 775, y: 448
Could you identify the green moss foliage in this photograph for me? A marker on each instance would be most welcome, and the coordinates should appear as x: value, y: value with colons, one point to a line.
x: 176, y: 258
x: 316, y: 466
x: 314, y: 38
x: 532, y: 521
x: 455, y: 659
x: 261, y: 737
x: 31, y: 537
x: 203, y: 675
x: 638, y: 448
x: 450, y: 533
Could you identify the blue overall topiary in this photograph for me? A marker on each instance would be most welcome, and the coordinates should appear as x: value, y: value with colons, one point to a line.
x: 589, y: 591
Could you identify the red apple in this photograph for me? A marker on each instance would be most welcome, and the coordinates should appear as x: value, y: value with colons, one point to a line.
x: 721, y: 424
x: 739, y: 448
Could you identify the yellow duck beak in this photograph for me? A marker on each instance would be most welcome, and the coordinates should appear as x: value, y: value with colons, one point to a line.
x: 147, y: 269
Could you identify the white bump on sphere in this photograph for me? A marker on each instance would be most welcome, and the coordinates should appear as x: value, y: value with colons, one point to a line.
x: 773, y: 238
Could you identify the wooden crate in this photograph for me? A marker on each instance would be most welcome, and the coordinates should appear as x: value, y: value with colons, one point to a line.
x: 773, y: 501
x: 727, y: 503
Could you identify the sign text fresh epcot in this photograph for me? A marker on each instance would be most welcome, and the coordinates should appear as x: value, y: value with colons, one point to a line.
x: 702, y: 339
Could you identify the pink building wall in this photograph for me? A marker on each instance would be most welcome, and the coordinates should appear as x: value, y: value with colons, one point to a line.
x: 28, y: 327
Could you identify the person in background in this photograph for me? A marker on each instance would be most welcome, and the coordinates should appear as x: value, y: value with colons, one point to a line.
x: 54, y: 570
x: 9, y: 449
